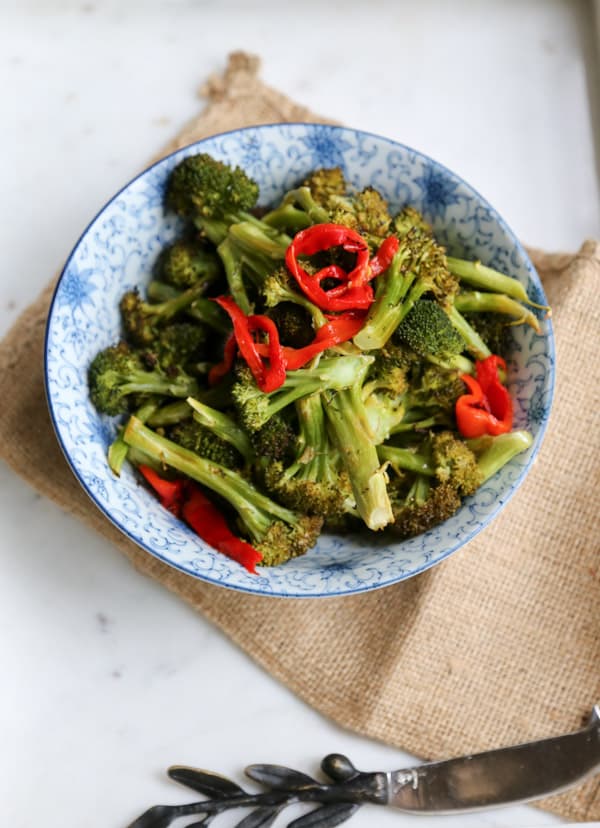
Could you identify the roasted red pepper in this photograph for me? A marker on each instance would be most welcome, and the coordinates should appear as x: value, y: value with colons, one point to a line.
x: 383, y: 258
x: 354, y: 292
x: 337, y: 330
x: 488, y: 408
x: 170, y: 492
x: 269, y: 371
x: 185, y: 499
x: 209, y: 524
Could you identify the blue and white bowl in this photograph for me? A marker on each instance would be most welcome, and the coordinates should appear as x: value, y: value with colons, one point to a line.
x: 116, y: 253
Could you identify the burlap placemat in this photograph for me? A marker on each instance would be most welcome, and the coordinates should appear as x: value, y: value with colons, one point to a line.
x: 498, y: 644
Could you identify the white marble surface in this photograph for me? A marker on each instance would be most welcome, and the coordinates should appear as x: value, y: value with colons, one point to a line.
x: 106, y: 677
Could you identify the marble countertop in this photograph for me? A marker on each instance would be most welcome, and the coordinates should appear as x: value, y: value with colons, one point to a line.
x: 107, y: 678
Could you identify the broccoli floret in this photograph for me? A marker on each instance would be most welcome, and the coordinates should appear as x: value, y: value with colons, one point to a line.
x: 428, y: 331
x: 275, y: 440
x: 372, y: 212
x: 217, y: 198
x: 492, y: 328
x: 223, y: 427
x: 201, y: 310
x: 434, y: 387
x: 279, y: 287
x: 278, y: 533
x: 211, y: 193
x: 195, y: 437
x: 255, y: 408
x: 184, y: 262
x: 324, y: 183
x: 314, y: 483
x: 179, y: 346
x: 424, y: 506
x: 455, y: 463
x: 407, y: 219
x: 383, y: 397
x: 418, y: 267
x: 118, y: 372
x: 143, y: 321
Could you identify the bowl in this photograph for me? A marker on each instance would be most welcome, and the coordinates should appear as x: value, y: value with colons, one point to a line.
x: 116, y: 253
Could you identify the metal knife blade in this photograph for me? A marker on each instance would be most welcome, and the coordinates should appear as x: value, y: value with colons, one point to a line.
x: 506, y: 776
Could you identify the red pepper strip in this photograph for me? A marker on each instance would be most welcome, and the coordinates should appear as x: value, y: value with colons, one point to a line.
x: 497, y: 395
x: 339, y: 329
x: 383, y: 258
x: 274, y: 375
x: 209, y: 524
x: 170, y: 492
x: 268, y: 376
x: 217, y: 372
x: 354, y: 292
x: 487, y: 409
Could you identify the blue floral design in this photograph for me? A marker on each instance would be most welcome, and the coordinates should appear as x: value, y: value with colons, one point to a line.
x: 326, y: 149
x: 439, y: 192
x: 77, y: 288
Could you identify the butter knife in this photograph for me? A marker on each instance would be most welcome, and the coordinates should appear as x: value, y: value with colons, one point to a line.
x: 506, y: 776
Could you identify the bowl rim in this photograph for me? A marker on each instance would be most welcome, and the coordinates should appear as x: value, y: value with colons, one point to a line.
x: 501, y: 502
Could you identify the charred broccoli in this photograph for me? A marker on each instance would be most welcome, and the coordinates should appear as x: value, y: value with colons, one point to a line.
x: 184, y: 262
x: 118, y: 372
x: 278, y: 533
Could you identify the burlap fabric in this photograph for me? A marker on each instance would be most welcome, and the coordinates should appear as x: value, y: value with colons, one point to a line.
x: 501, y: 642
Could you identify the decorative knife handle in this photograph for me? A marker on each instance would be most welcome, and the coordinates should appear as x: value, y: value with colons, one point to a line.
x: 335, y: 802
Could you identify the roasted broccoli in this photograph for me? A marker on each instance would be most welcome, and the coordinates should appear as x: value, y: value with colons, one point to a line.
x: 277, y: 532
x: 255, y: 408
x: 212, y: 194
x: 418, y: 267
x: 143, y: 321
x: 315, y: 483
x: 118, y: 373
x: 201, y: 440
x: 179, y: 346
x: 184, y: 262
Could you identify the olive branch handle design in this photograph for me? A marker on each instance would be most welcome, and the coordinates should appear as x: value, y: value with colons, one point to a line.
x: 335, y: 801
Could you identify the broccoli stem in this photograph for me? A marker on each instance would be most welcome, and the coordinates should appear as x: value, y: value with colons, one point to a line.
x: 495, y: 452
x: 387, y: 311
x: 406, y: 459
x: 275, y: 292
x: 486, y: 278
x: 118, y: 449
x: 256, y: 511
x: 207, y: 312
x: 474, y: 301
x: 303, y: 197
x: 249, y: 238
x: 473, y: 342
x: 182, y: 301
x: 161, y: 291
x: 412, y: 422
x: 146, y: 382
x: 456, y: 362
x: 359, y: 456
x: 223, y: 426
x: 201, y: 310
x: 288, y: 217
x: 232, y: 263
